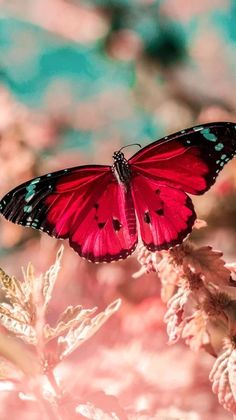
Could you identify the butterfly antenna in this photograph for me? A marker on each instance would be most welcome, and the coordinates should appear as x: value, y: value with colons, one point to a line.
x: 133, y: 144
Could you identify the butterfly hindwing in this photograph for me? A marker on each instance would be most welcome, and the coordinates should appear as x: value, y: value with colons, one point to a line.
x: 165, y: 213
x: 84, y: 204
x: 190, y: 159
x: 108, y: 231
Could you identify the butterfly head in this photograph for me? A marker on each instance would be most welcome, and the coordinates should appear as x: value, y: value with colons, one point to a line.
x: 118, y: 156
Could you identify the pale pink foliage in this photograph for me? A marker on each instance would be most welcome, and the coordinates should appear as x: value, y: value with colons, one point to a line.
x: 209, y: 264
x: 195, y: 331
x: 174, y: 316
x: 201, y: 306
x: 169, y: 277
x: 23, y: 313
x: 223, y: 377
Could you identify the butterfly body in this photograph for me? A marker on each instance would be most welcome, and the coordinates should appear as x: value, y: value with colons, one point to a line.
x: 103, y: 210
x: 121, y: 168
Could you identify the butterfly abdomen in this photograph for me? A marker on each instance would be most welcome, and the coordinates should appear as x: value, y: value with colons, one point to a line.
x: 130, y: 213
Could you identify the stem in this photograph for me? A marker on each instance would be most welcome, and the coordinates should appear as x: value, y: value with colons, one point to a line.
x: 47, y: 408
x: 59, y: 394
x: 51, y: 378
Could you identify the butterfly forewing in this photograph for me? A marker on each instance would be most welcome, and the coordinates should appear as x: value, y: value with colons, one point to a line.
x: 84, y: 204
x: 190, y: 159
x: 29, y: 203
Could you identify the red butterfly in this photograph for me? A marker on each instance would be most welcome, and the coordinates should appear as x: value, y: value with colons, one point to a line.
x: 101, y: 208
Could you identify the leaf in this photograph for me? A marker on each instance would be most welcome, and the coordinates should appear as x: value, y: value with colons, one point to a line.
x: 223, y: 378
x: 148, y: 261
x: 195, y: 331
x: 16, y: 316
x: 21, y: 317
x: 72, y: 312
x: 75, y: 337
x: 199, y: 224
x: 50, y: 277
x: 28, y: 284
x: 21, y: 329
x: 170, y: 278
x: 70, y: 318
x: 174, y: 316
x: 209, y: 263
x: 14, y: 311
x: 11, y: 288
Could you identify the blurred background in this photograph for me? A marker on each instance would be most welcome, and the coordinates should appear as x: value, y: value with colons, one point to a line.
x: 78, y: 80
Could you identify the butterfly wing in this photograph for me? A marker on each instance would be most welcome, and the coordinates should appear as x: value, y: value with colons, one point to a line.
x: 84, y: 204
x: 165, y: 213
x: 190, y: 159
x: 165, y: 170
x: 88, y: 206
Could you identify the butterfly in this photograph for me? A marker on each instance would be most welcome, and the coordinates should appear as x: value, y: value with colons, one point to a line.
x: 104, y: 209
